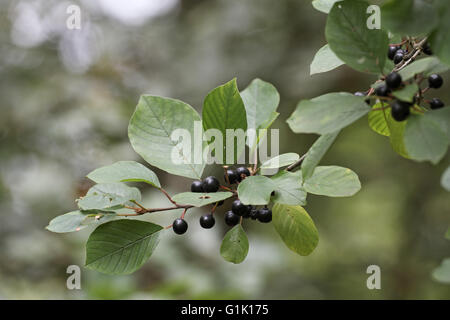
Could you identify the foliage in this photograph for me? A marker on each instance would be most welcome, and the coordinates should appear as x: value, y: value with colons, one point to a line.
x: 121, y: 246
x: 422, y: 26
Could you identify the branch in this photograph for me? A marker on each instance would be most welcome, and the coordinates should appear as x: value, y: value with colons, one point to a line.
x: 144, y: 210
x: 412, y: 56
x: 167, y: 195
x: 296, y: 163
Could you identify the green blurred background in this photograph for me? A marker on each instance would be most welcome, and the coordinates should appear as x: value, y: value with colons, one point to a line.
x: 66, y: 98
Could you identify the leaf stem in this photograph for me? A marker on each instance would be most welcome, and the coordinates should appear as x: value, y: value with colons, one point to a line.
x: 255, y: 159
x: 184, y: 212
x: 296, y: 163
x: 168, y: 196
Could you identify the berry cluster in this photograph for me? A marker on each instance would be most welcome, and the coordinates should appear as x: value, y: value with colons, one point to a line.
x: 400, y: 110
x: 209, y: 184
x: 238, y: 209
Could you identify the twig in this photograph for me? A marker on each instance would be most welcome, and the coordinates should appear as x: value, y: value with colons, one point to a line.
x: 214, y: 208
x: 167, y: 195
x: 296, y: 163
x: 416, y: 51
x: 139, y: 205
x: 398, y: 44
x: 144, y: 211
x: 228, y: 189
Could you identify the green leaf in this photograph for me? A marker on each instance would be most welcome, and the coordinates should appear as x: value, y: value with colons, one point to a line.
x: 389, y: 65
x: 200, y: 199
x: 234, y: 246
x: 409, y: 17
x: 377, y: 120
x: 316, y: 153
x: 427, y: 65
x: 346, y: 31
x: 396, y: 130
x: 280, y: 161
x: 122, y: 246
x: 98, y: 217
x: 437, y: 68
x: 440, y: 38
x: 445, y: 183
x: 324, y: 5
x: 333, y: 181
x: 324, y: 61
x: 406, y: 93
x: 224, y: 109
x: 261, y: 100
x: 77, y: 220
x: 68, y: 222
x: 269, y: 122
x: 442, y: 273
x: 441, y: 117
x: 327, y: 113
x: 124, y: 171
x: 424, y: 139
x: 288, y: 188
x: 255, y: 190
x: 150, y: 131
x: 108, y: 195
x: 261, y: 136
x: 296, y: 228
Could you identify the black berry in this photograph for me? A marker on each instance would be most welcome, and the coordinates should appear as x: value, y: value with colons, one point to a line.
x: 233, y: 176
x: 265, y: 215
x: 435, y: 81
x: 242, y: 171
x: 392, y: 50
x: 231, y: 219
x: 436, y: 103
x: 179, y: 226
x: 393, y: 80
x: 254, y: 214
x: 239, y: 208
x: 211, y: 184
x: 248, y: 212
x: 207, y: 221
x: 221, y: 202
x: 427, y: 49
x: 197, y: 186
x: 398, y: 57
x: 382, y: 91
x: 400, y: 110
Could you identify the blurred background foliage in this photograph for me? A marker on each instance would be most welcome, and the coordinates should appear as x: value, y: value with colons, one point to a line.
x: 66, y: 98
